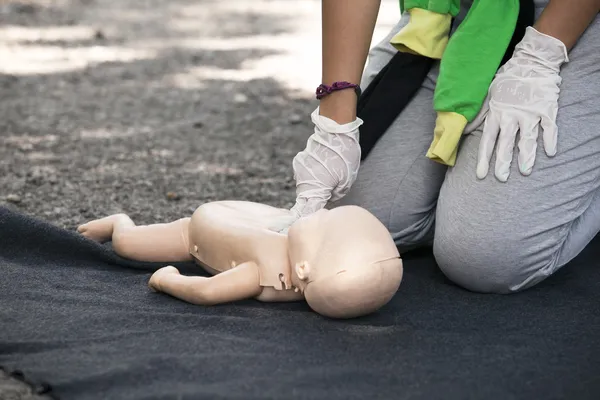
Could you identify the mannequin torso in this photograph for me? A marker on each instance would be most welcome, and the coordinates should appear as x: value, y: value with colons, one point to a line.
x: 224, y: 234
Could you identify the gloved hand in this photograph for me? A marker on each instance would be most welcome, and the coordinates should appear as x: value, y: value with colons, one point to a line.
x: 328, y: 166
x: 523, y: 97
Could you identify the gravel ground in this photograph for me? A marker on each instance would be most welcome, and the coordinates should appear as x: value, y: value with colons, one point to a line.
x: 101, y: 111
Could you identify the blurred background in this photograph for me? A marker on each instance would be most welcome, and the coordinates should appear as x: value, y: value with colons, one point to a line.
x: 151, y: 107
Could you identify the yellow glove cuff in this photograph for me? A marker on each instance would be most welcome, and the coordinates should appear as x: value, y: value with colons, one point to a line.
x: 449, y: 127
x: 425, y: 34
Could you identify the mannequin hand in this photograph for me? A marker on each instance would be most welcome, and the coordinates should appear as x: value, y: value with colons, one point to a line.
x: 328, y: 166
x: 523, y: 97
x: 157, y: 276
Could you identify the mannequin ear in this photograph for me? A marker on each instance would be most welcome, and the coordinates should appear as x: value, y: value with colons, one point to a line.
x: 303, y: 270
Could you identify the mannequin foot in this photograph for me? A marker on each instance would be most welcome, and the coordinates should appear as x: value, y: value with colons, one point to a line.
x: 101, y: 230
x: 155, y: 279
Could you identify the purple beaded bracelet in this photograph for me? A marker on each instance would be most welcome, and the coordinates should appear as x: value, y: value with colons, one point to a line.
x: 323, y: 90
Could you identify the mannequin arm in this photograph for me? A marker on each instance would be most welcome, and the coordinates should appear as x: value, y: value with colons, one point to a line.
x: 153, y: 243
x: 239, y: 283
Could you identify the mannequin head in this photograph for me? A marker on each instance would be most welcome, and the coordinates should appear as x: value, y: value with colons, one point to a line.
x: 344, y: 261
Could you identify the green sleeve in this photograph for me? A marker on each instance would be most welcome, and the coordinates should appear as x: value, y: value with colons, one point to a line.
x: 473, y: 56
x: 468, y: 65
x: 438, y: 6
x: 428, y: 28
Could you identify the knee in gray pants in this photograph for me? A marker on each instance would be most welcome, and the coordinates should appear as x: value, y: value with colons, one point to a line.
x: 505, y: 237
x: 464, y: 256
x: 484, y: 250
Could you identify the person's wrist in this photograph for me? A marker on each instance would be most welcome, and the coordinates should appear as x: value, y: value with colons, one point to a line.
x: 548, y: 46
x: 339, y: 106
x: 546, y: 27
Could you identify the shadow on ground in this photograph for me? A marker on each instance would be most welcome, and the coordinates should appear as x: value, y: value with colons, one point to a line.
x: 112, y: 106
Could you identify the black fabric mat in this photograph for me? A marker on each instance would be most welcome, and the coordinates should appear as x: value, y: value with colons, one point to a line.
x: 76, y: 316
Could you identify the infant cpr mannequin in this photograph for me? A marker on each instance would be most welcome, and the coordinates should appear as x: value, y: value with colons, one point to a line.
x: 343, y: 262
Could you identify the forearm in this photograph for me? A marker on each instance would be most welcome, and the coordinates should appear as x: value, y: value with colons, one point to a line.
x: 566, y: 20
x: 347, y: 31
x: 241, y: 282
x: 192, y: 289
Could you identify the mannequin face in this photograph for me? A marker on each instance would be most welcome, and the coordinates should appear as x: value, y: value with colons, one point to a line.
x: 337, y: 258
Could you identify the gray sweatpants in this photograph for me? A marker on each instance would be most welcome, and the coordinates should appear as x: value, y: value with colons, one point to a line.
x: 490, y: 236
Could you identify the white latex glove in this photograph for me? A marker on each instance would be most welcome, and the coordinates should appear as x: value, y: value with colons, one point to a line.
x: 328, y: 166
x: 523, y: 97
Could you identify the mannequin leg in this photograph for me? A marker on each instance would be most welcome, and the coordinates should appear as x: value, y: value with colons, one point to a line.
x: 152, y: 243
